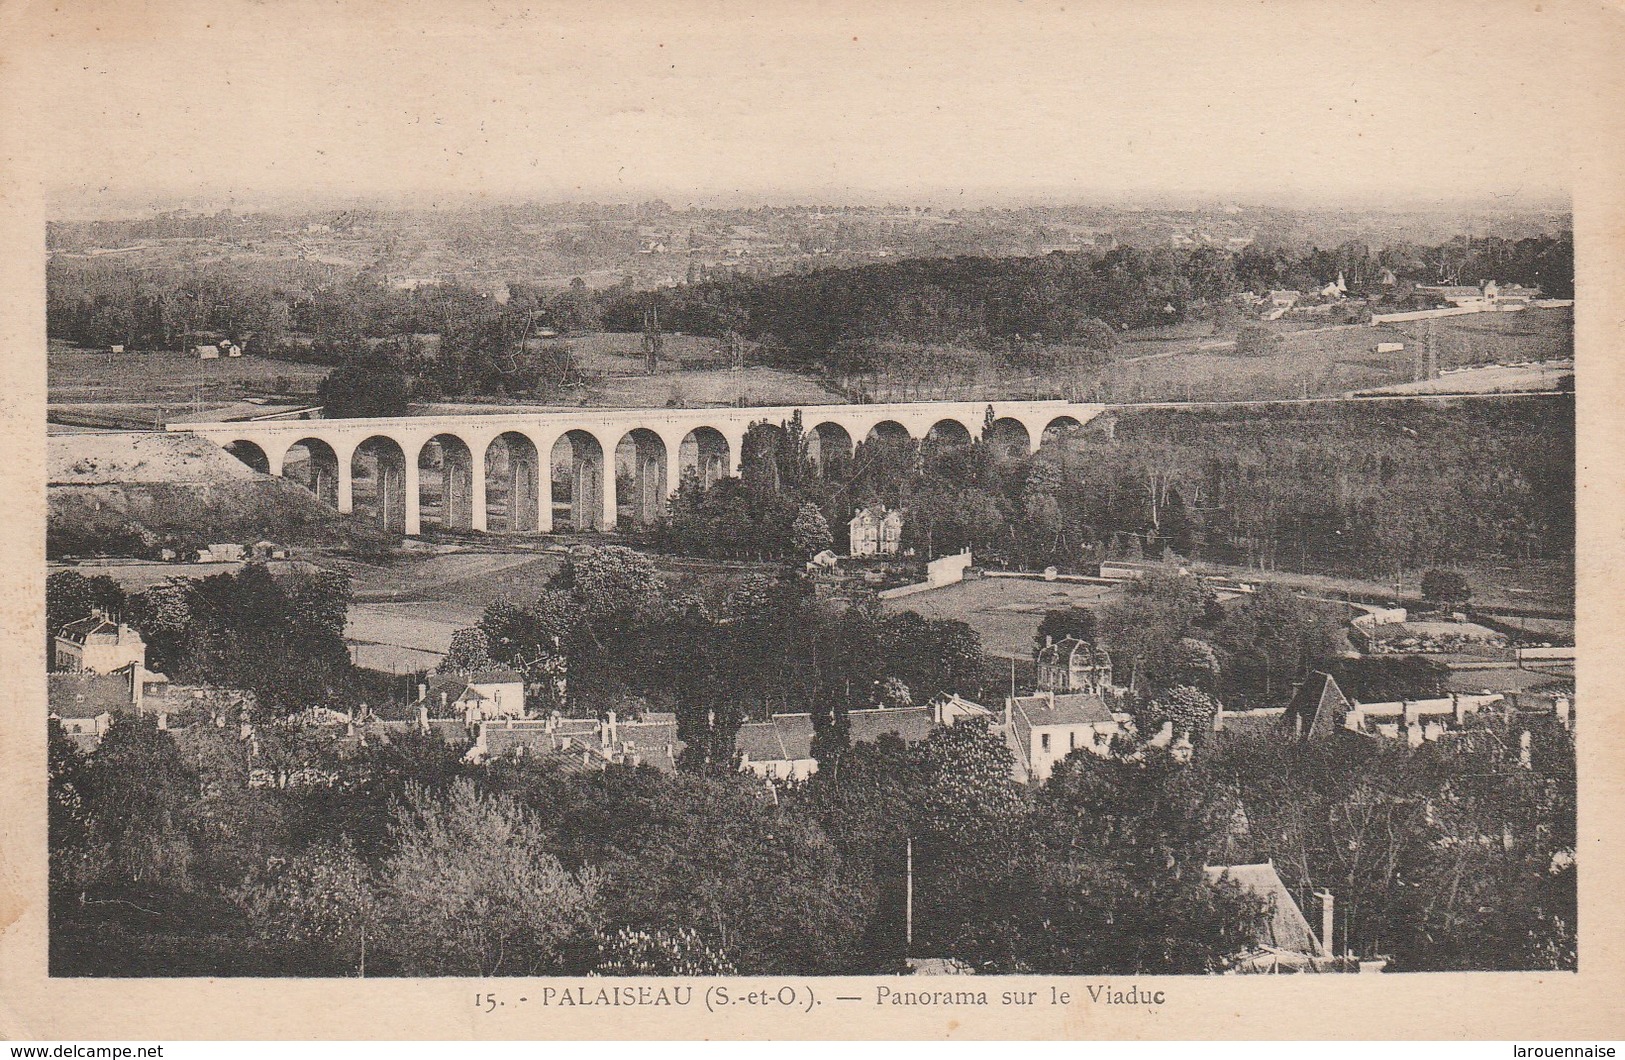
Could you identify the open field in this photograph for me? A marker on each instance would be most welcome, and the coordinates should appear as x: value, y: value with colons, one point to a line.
x: 1511, y: 679
x: 76, y: 376
x: 1005, y: 611
x: 1338, y: 358
x: 1537, y: 585
x: 622, y: 351
x: 1189, y: 362
x: 1491, y: 379
x: 407, y: 610
x: 1503, y: 338
x: 401, y: 638
x: 1196, y: 361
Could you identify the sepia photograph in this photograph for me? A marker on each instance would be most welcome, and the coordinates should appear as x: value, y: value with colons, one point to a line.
x: 597, y: 501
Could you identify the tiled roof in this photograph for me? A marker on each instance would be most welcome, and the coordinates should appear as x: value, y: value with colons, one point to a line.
x: 795, y: 734
x: 451, y: 684
x: 1285, y: 928
x: 783, y: 738
x: 503, y: 739
x: 1317, y: 702
x: 759, y: 741
x: 87, y: 695
x: 500, y: 676
x: 1252, y: 723
x: 1080, y: 708
x: 573, y: 759
x: 911, y: 724
x: 654, y: 741
x: 1473, y: 741
x: 95, y: 625
x: 451, y: 730
x: 393, y: 711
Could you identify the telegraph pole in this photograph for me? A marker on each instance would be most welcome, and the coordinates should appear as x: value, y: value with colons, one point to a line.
x: 653, y: 340
x: 908, y: 901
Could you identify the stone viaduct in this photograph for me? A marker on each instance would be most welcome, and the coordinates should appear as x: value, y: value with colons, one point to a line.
x: 603, y: 466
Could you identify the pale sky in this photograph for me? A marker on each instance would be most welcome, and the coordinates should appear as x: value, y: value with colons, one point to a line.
x: 827, y: 101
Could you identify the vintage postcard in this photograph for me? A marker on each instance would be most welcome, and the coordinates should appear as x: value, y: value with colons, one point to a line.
x: 830, y: 520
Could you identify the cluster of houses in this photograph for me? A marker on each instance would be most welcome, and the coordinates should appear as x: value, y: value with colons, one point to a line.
x: 1319, y: 709
x: 1485, y: 297
x: 99, y: 671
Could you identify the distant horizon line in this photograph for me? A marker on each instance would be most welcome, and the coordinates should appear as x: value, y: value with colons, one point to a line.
x: 74, y: 205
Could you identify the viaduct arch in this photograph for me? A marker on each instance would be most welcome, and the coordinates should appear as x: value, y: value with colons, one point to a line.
x: 596, y: 468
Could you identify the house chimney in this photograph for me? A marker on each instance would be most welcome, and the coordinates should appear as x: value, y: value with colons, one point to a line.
x: 607, y: 731
x: 423, y: 693
x: 1327, y: 922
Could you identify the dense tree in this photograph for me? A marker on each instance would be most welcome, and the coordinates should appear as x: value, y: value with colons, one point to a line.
x: 138, y: 789
x: 366, y: 389
x: 752, y: 877
x: 1451, y: 856
x: 1191, y: 711
x: 1386, y: 678
x: 1368, y: 491
x: 1144, y: 630
x: 281, y: 638
x: 1271, y: 639
x: 1117, y: 883
x: 78, y: 857
x: 809, y: 534
x: 1057, y: 623
x: 70, y: 596
x: 471, y: 889
x: 1447, y: 588
x: 322, y: 897
x: 662, y: 951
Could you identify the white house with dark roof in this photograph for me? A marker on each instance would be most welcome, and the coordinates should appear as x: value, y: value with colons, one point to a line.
x: 477, y: 697
x: 1044, y: 728
x: 98, y: 644
x: 83, y: 703
x: 781, y: 747
x: 777, y: 749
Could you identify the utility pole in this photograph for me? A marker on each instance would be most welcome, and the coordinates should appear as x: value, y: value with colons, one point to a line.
x: 908, y: 900
x: 653, y: 341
